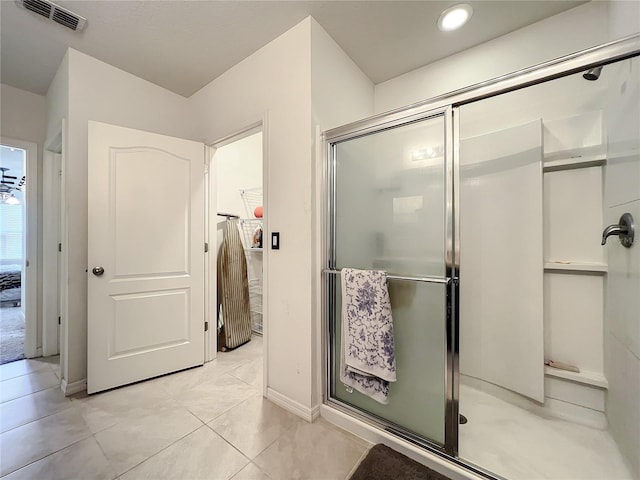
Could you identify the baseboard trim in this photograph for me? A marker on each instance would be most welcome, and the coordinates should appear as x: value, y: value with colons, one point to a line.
x: 306, y: 413
x: 315, y: 412
x: 375, y: 435
x: 73, y: 387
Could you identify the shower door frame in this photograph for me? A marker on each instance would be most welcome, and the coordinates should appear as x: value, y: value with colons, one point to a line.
x: 450, y: 261
x: 449, y: 103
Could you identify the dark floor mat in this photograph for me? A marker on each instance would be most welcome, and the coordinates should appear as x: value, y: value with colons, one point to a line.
x: 383, y: 463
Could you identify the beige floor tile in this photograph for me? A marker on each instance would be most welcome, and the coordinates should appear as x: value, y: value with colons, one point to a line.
x: 131, y: 442
x: 53, y: 360
x: 312, y: 451
x: 25, y: 384
x: 21, y: 367
x: 251, y: 472
x: 33, y: 441
x: 253, y: 425
x: 103, y: 410
x: 212, y: 398
x: 244, y: 354
x: 251, y: 373
x: 200, y: 455
x: 177, y: 383
x: 225, y: 362
x: 82, y: 460
x: 32, y: 407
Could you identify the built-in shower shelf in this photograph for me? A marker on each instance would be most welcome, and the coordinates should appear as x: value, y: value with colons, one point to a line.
x: 567, y: 161
x: 585, y: 377
x: 598, y: 268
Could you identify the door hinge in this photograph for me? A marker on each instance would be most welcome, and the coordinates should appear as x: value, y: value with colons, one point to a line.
x: 59, y: 321
x: 206, y: 326
x: 59, y: 247
x: 206, y: 247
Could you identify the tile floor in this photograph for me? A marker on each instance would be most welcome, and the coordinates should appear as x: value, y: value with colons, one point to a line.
x: 209, y: 422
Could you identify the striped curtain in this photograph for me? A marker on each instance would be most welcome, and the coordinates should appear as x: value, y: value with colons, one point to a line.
x: 233, y: 289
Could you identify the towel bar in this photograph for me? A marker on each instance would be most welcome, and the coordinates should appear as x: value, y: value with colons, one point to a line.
x: 442, y: 280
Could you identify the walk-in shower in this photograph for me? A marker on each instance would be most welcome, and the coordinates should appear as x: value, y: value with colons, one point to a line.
x: 487, y: 208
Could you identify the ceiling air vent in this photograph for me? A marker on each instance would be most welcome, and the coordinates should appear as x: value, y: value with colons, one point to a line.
x: 55, y: 13
x: 38, y: 6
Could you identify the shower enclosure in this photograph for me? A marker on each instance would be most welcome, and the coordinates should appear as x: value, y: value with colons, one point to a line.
x: 486, y: 207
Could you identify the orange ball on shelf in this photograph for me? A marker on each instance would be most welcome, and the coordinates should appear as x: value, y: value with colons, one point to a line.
x: 258, y: 212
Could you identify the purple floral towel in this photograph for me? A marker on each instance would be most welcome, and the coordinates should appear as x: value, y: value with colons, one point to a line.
x: 368, y: 362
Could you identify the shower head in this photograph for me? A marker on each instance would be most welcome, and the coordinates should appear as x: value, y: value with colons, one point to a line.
x: 592, y: 74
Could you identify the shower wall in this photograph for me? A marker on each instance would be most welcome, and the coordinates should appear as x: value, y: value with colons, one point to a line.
x: 622, y: 194
x: 565, y: 276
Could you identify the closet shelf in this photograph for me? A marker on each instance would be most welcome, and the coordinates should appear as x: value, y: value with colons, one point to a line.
x: 600, y: 268
x: 554, y: 163
x: 585, y: 377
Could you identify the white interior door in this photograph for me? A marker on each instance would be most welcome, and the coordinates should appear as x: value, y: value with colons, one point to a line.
x: 501, y: 259
x: 146, y: 231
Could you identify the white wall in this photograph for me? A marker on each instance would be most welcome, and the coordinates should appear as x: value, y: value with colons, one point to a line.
x: 58, y: 99
x: 622, y: 306
x: 299, y: 80
x: 570, y: 31
x: 238, y: 165
x: 97, y: 91
x: 340, y: 93
x: 23, y: 116
x: 57, y: 113
x: 275, y: 84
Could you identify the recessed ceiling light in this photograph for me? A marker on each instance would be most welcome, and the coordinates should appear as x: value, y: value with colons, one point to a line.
x: 454, y: 17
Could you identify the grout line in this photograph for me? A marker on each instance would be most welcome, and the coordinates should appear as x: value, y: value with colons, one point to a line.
x: 27, y: 394
x: 159, y: 451
x: 113, y: 469
x: 43, y: 417
x: 362, y: 457
x: 255, y: 465
x: 232, y: 446
x: 49, y: 454
x: 24, y: 374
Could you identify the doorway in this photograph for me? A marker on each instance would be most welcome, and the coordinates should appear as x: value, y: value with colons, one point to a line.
x: 18, y: 247
x: 237, y: 203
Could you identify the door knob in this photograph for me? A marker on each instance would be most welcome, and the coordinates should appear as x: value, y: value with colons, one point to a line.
x: 97, y: 271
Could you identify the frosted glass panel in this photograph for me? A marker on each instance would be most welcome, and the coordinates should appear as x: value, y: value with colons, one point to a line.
x: 390, y: 200
x: 416, y: 400
x: 389, y: 215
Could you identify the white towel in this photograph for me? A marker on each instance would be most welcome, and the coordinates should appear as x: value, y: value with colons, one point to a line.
x: 367, y: 362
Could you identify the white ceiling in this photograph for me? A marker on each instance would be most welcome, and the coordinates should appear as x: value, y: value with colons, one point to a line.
x: 183, y: 45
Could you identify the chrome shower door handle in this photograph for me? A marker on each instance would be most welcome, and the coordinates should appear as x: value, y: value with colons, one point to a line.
x: 625, y: 230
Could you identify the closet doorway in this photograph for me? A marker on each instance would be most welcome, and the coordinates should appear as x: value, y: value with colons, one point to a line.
x: 237, y: 225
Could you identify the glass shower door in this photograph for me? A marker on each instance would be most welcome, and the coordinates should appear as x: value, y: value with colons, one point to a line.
x: 388, y: 211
